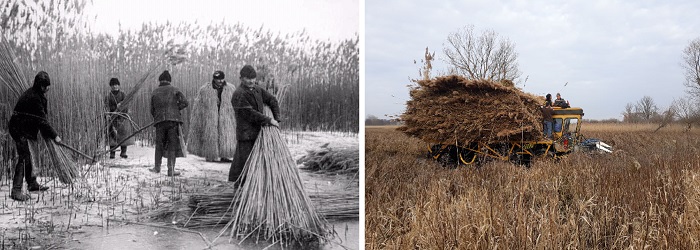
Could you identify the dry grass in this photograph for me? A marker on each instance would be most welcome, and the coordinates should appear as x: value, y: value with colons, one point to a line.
x: 643, y: 196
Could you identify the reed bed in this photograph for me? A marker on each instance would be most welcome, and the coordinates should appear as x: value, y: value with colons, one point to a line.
x: 312, y: 75
x: 642, y: 196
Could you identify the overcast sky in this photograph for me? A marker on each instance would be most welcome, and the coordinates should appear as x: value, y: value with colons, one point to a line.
x: 610, y: 52
x: 322, y: 19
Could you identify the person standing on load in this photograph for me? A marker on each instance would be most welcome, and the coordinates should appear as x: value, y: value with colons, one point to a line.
x: 213, y: 123
x: 547, y: 119
x: 248, y: 103
x: 119, y: 127
x: 559, y: 102
x: 29, y: 118
x: 166, y: 103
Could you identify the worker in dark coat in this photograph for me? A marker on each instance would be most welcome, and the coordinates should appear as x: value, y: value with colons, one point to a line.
x: 166, y: 103
x: 119, y: 127
x: 248, y: 102
x: 29, y: 118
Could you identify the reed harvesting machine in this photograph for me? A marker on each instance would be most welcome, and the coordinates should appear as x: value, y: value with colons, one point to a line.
x: 566, y: 138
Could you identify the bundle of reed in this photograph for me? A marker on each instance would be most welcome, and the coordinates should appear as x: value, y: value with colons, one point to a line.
x: 11, y: 74
x: 61, y: 163
x: 214, y: 207
x: 172, y: 56
x: 272, y: 202
x: 139, y: 84
x: 331, y: 160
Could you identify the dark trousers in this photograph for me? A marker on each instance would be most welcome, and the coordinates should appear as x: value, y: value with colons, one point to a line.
x: 122, y: 153
x: 23, y: 169
x: 243, y: 149
x: 167, y: 142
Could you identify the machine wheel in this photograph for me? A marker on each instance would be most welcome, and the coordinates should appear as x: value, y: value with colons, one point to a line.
x: 521, y: 159
x: 448, y: 157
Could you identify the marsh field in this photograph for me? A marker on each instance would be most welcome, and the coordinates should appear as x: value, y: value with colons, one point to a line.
x: 645, y: 195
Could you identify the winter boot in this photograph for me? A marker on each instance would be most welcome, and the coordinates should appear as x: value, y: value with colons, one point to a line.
x: 155, y: 169
x: 171, y: 167
x: 123, y: 153
x: 35, y: 186
x: 172, y: 172
x: 16, y: 194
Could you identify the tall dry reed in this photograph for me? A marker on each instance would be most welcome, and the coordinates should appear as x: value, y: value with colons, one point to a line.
x: 642, y: 196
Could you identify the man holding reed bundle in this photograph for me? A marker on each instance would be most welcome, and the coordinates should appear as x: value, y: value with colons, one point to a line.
x: 213, y: 125
x: 248, y: 103
x: 29, y: 118
x: 166, y: 103
x: 119, y: 127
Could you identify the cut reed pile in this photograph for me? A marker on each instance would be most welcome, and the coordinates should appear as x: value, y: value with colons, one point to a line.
x: 331, y: 160
x: 453, y: 109
x: 272, y: 202
x: 11, y: 75
x: 215, y: 207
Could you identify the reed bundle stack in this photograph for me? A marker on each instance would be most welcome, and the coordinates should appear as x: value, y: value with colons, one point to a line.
x: 214, y: 207
x: 331, y: 160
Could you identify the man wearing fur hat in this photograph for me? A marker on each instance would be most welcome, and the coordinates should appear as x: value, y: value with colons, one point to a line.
x: 166, y: 103
x: 28, y: 119
x: 213, y: 125
x: 248, y: 102
x: 119, y: 126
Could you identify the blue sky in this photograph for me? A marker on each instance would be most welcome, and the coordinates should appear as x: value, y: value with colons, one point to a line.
x: 610, y: 52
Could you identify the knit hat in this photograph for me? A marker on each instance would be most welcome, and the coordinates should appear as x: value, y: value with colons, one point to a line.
x: 248, y: 72
x: 219, y: 75
x: 165, y: 76
x: 114, y: 81
x: 42, y: 79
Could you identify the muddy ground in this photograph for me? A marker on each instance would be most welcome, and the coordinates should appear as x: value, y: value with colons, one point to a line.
x: 111, y: 207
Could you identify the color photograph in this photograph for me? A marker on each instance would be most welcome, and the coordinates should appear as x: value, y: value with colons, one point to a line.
x: 532, y: 125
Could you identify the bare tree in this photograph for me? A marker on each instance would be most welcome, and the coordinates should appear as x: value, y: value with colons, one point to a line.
x: 485, y: 56
x: 687, y: 111
x: 629, y: 115
x: 691, y: 65
x: 646, y: 107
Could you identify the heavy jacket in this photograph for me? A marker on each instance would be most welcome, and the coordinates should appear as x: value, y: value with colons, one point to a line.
x: 547, y: 112
x: 248, y: 104
x: 212, y: 132
x: 120, y: 127
x: 29, y: 116
x: 166, y: 103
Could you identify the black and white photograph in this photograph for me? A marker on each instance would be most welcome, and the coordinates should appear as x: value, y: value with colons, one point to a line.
x: 180, y: 124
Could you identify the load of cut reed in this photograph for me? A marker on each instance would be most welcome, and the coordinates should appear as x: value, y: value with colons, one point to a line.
x: 272, y: 202
x: 12, y: 76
